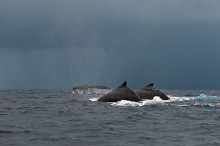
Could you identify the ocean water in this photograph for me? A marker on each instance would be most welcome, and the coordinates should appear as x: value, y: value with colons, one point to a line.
x: 55, y: 117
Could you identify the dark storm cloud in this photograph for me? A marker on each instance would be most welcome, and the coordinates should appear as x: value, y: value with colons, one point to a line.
x: 45, y: 24
x: 58, y: 44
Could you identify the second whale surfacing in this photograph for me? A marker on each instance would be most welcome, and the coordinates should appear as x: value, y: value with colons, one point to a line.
x: 120, y: 93
x: 149, y: 92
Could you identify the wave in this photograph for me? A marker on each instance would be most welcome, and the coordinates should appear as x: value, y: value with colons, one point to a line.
x: 201, y: 100
x: 206, y: 97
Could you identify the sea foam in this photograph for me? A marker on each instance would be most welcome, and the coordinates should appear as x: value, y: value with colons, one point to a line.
x: 157, y: 100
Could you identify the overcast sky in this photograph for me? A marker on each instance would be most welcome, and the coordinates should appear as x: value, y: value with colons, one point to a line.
x: 57, y: 44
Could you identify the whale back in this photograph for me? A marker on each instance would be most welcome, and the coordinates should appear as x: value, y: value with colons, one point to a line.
x: 149, y: 91
x: 120, y: 93
x: 90, y: 86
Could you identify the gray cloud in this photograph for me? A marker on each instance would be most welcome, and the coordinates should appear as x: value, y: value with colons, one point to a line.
x: 58, y: 44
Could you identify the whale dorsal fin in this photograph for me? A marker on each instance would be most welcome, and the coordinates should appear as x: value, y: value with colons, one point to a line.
x: 150, y: 85
x: 123, y: 85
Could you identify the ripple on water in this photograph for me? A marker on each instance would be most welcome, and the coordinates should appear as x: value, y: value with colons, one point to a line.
x: 54, y: 117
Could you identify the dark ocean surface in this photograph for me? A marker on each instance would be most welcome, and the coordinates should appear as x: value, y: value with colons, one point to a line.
x: 54, y: 117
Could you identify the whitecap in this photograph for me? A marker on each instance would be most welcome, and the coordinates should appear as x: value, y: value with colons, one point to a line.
x: 206, y: 97
x: 183, y: 105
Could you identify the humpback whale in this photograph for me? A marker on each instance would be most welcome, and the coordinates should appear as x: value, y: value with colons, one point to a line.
x: 90, y: 86
x: 149, y: 91
x: 91, y: 89
x: 120, y: 93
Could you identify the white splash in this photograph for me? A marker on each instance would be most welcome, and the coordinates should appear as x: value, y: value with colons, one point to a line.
x: 126, y: 103
x: 157, y: 100
x: 93, y: 99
